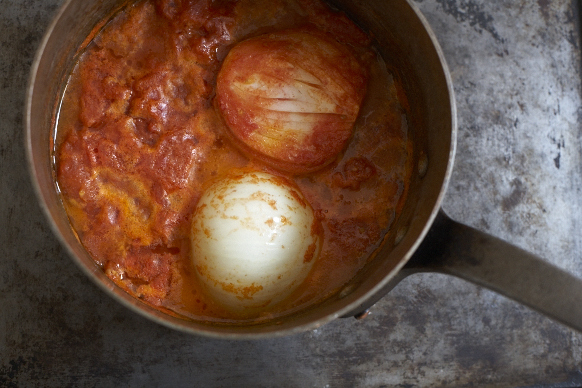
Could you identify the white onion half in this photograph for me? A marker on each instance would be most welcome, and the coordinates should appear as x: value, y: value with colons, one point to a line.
x: 254, y: 240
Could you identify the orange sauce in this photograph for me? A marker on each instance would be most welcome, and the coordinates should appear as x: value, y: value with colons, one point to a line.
x: 139, y: 139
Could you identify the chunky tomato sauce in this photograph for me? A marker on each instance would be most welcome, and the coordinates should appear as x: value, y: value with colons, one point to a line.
x: 139, y: 137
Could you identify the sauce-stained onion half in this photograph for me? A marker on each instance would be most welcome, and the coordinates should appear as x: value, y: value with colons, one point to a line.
x: 292, y: 97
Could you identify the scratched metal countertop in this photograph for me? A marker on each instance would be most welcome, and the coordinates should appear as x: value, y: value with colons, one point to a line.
x: 516, y: 69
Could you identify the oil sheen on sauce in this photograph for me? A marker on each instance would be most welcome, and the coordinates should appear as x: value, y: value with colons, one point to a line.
x: 139, y: 138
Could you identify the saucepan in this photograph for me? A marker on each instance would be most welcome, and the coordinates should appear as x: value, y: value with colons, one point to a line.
x: 423, y: 238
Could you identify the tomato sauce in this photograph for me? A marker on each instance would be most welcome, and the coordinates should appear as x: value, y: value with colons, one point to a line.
x: 139, y: 137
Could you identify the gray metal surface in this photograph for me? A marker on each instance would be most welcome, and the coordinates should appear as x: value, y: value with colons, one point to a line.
x: 516, y: 70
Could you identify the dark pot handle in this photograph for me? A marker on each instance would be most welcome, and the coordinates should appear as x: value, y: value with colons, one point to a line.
x: 456, y: 249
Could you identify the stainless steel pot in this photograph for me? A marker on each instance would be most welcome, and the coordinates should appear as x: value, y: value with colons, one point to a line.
x: 422, y: 239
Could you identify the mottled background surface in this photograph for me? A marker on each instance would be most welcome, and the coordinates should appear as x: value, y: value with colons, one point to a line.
x: 516, y: 70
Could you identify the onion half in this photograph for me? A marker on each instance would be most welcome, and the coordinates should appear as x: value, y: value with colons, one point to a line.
x: 254, y: 240
x: 291, y: 98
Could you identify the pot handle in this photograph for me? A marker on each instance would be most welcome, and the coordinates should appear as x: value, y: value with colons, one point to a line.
x: 456, y: 249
